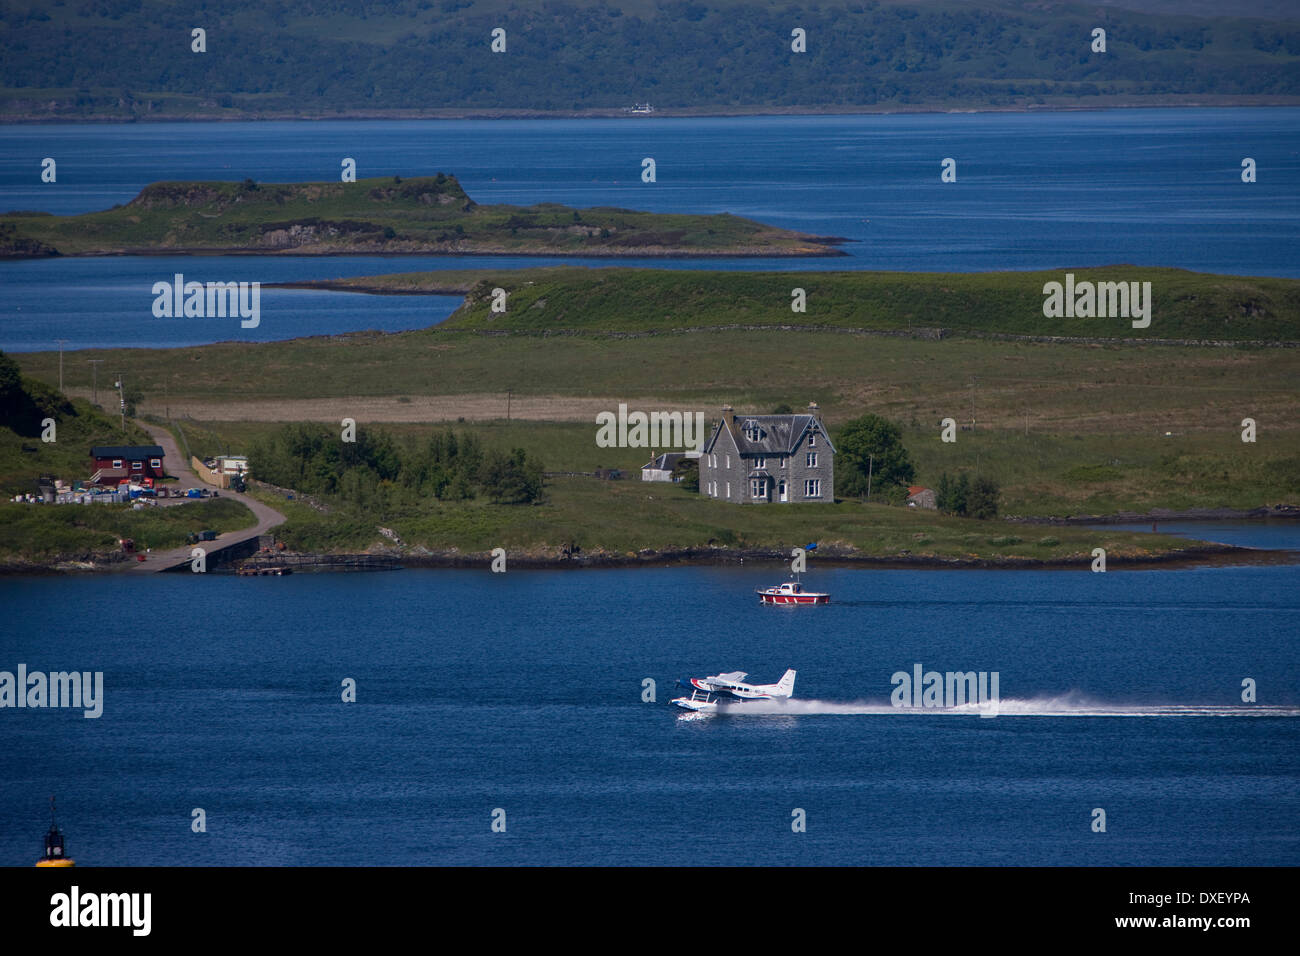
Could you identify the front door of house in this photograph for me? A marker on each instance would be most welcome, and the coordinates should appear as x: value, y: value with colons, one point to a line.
x: 782, y: 492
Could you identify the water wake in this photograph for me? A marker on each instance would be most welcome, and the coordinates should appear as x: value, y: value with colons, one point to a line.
x: 1070, y: 705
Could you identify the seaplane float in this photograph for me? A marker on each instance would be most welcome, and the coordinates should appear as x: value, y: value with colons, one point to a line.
x: 708, y: 692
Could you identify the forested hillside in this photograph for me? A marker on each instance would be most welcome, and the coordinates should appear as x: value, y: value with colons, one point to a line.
x: 135, y: 58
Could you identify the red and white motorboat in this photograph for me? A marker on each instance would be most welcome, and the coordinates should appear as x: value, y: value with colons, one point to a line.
x: 791, y: 592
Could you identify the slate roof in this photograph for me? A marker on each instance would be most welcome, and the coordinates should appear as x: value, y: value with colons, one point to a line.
x: 667, y: 461
x: 778, y: 434
x: 127, y: 451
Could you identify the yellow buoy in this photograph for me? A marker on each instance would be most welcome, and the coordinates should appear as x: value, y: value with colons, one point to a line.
x: 54, y: 853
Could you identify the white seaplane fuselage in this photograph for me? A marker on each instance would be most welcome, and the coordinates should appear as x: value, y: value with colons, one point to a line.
x: 726, y: 689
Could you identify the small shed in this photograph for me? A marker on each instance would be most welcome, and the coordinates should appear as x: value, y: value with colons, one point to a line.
x: 921, y: 497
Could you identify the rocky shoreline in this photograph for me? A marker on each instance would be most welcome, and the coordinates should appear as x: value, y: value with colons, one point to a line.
x: 1156, y: 515
x: 1211, y: 554
x: 820, y: 247
x: 1207, y: 554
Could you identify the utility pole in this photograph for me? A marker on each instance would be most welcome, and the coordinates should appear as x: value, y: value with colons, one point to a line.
x: 508, y: 397
x: 94, y: 388
x: 871, y: 461
x: 61, y: 344
x: 972, y: 403
x: 121, y: 397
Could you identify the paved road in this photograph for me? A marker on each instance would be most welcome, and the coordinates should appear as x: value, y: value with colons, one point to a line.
x: 178, y: 465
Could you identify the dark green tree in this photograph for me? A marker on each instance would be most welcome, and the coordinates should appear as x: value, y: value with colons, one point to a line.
x: 511, y: 479
x: 943, y: 493
x: 687, y: 471
x: 870, y: 443
x: 982, y: 501
x: 960, y: 492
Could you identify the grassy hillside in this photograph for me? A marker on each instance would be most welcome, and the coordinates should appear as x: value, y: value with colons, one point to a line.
x: 429, y: 376
x: 133, y: 58
x: 430, y: 214
x: 67, y: 533
x: 24, y: 405
x: 1185, y: 305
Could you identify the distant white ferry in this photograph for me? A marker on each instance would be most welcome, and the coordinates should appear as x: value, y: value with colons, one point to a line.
x: 640, y: 109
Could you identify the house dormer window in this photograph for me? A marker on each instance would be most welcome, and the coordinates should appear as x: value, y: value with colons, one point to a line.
x: 752, y: 431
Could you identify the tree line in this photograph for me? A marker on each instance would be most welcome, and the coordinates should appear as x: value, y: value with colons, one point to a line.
x: 377, y: 471
x: 124, y: 56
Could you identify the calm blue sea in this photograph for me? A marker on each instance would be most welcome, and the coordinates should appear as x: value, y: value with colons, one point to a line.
x: 522, y: 691
x: 1033, y: 191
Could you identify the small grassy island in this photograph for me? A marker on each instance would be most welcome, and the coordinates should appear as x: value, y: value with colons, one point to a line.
x: 430, y: 215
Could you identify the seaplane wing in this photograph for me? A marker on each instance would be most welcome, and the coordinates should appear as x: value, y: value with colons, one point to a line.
x: 735, y: 677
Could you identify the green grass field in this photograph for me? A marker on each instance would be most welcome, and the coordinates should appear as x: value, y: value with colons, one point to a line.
x: 1066, y: 389
x: 624, y: 518
x: 1184, y: 305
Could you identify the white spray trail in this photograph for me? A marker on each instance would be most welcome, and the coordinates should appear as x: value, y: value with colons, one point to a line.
x: 1070, y: 705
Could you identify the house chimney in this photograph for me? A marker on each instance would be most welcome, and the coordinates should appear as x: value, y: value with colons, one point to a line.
x: 813, y: 409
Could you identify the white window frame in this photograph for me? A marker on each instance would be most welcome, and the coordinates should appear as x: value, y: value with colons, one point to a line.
x: 812, y: 459
x: 812, y: 439
x: 756, y: 487
x: 155, y: 462
x: 760, y: 462
x: 812, y: 488
x: 728, y: 489
x: 117, y: 462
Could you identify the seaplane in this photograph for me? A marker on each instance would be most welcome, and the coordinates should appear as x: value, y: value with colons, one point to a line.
x: 708, y: 692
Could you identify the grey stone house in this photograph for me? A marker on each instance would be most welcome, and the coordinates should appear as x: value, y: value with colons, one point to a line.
x: 762, y: 459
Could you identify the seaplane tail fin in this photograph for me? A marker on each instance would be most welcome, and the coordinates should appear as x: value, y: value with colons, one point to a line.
x: 785, y: 687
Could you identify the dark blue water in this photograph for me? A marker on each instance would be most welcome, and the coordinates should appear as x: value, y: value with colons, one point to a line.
x: 522, y: 691
x: 1033, y: 191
